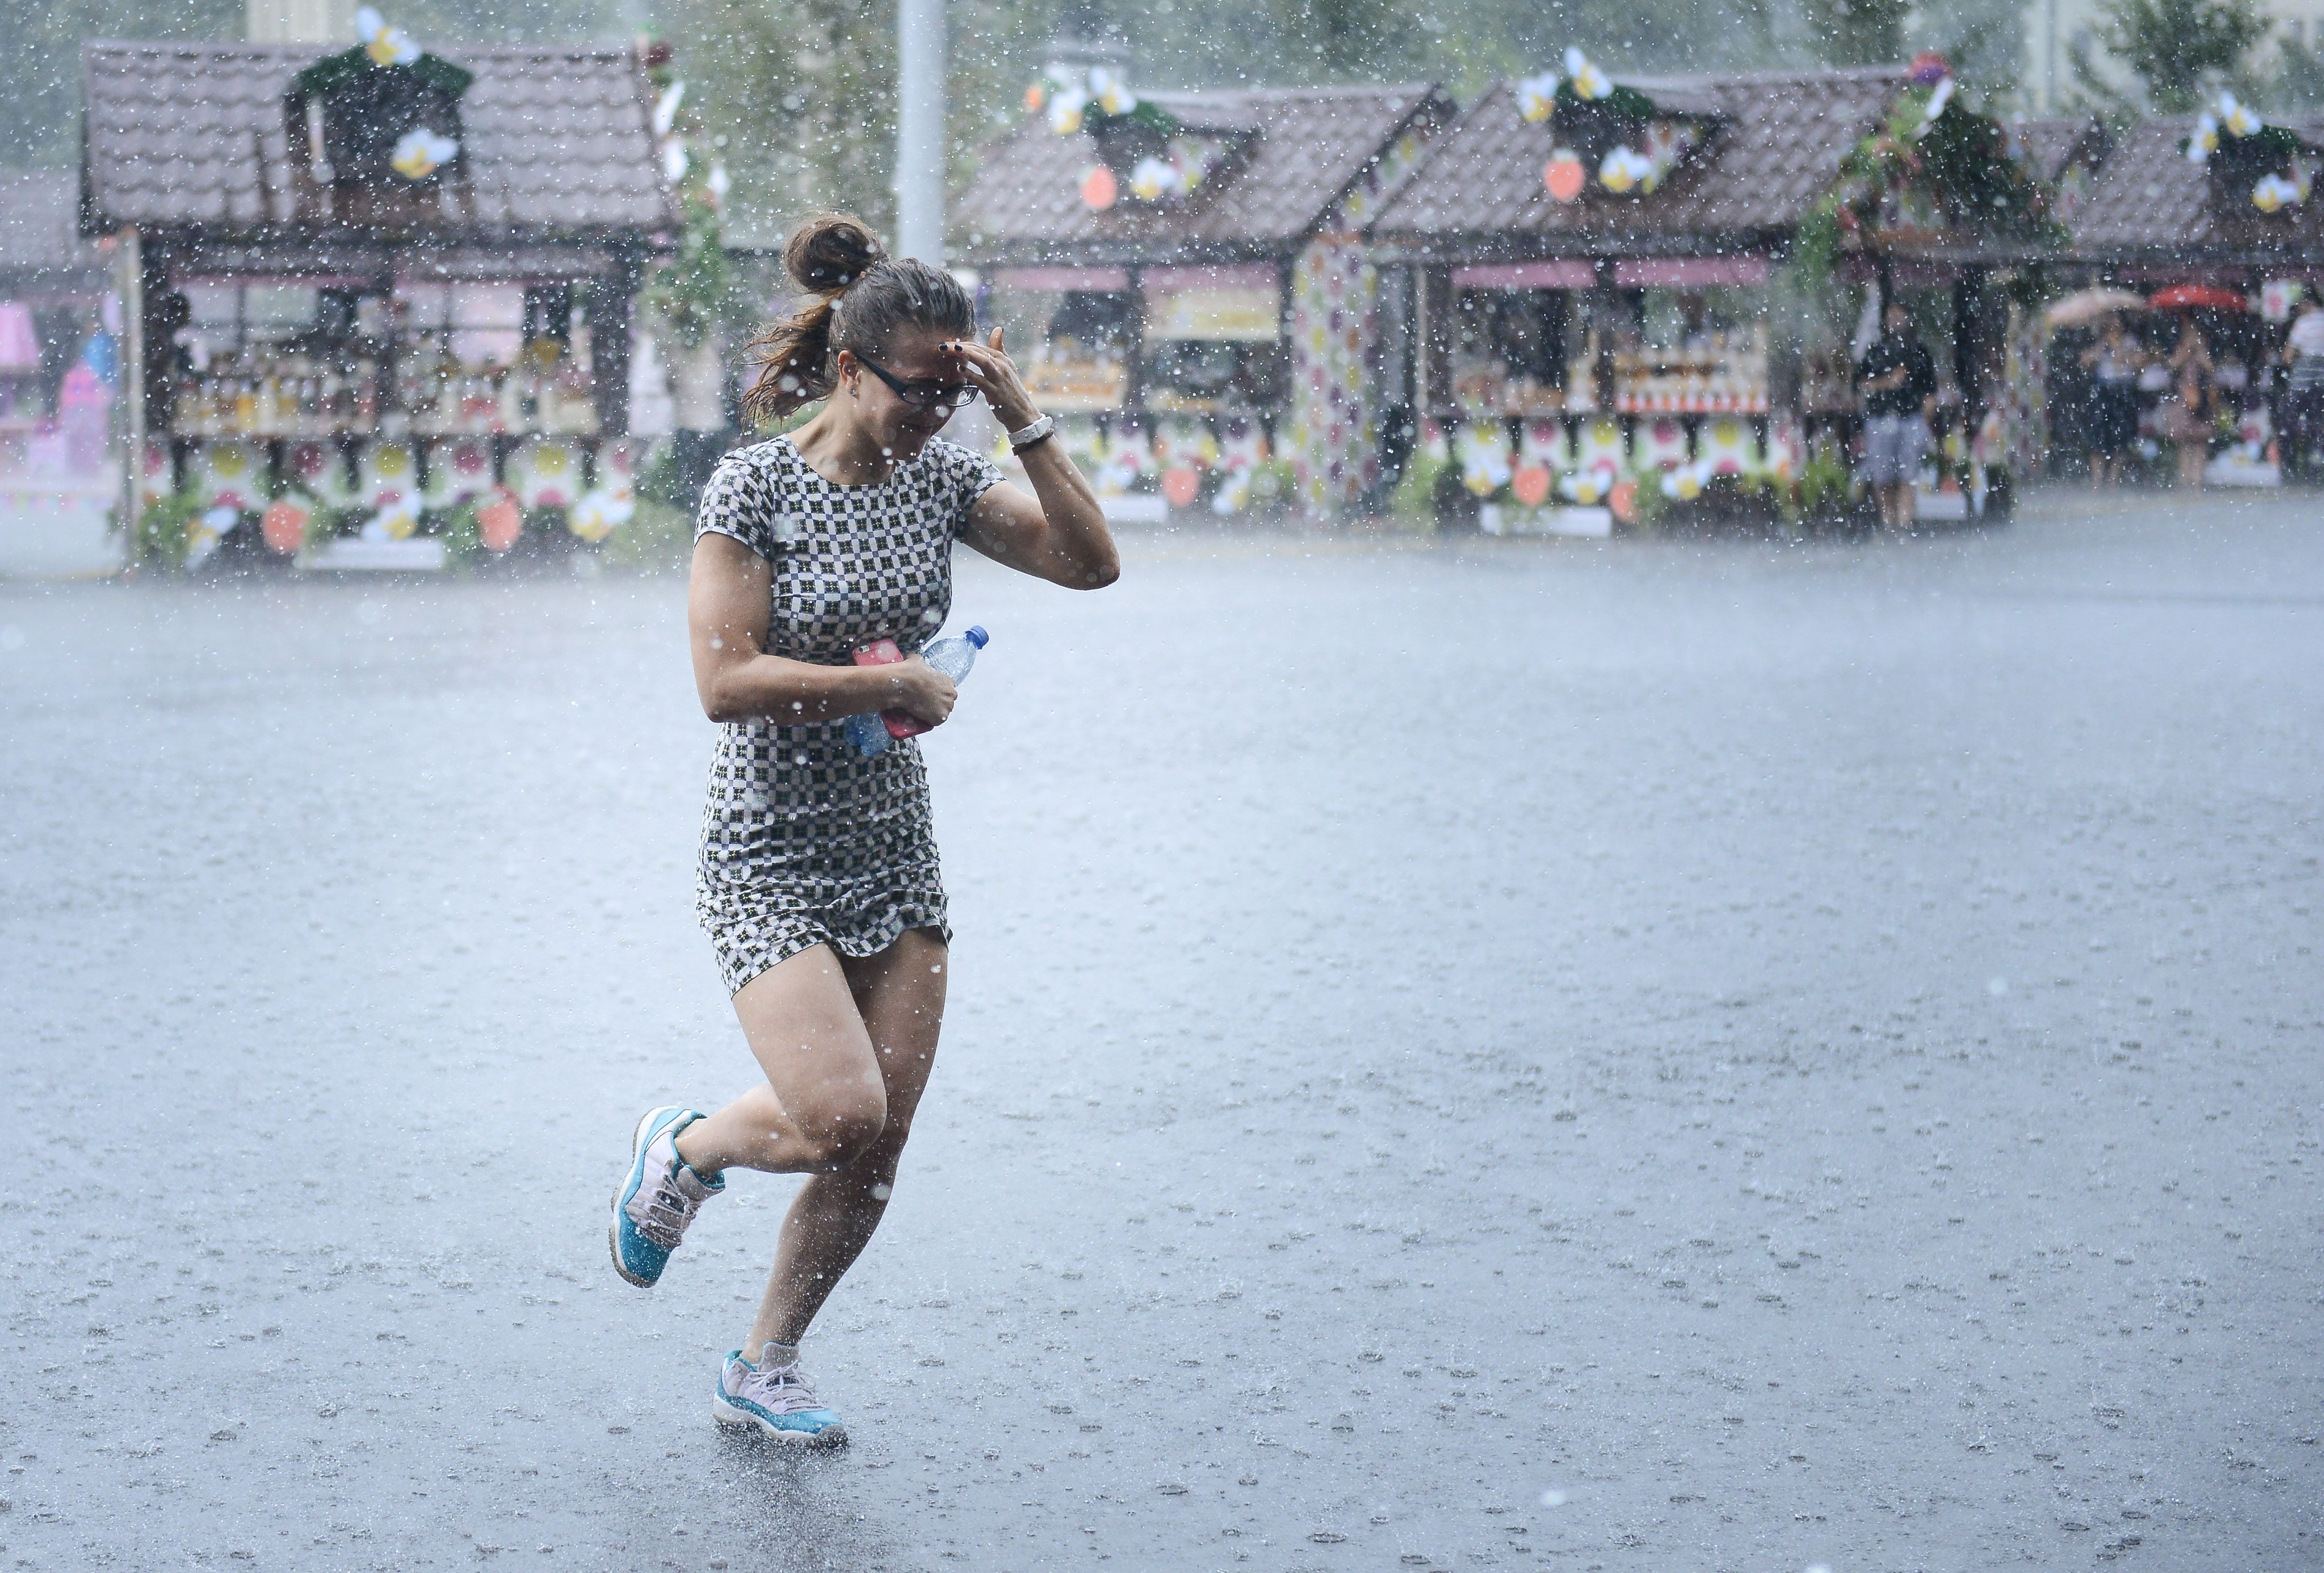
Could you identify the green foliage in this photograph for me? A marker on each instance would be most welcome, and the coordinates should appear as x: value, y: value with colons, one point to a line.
x: 2181, y: 49
x: 1344, y: 39
x: 695, y: 293
x: 334, y: 70
x: 462, y: 535
x: 1413, y: 500
x: 162, y: 527
x: 1821, y: 492
x: 1858, y: 33
x: 658, y: 538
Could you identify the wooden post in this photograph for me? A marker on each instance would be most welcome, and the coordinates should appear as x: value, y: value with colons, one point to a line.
x: 130, y: 262
x: 611, y: 297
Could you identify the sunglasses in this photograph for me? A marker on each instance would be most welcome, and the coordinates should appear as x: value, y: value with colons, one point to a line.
x: 920, y: 395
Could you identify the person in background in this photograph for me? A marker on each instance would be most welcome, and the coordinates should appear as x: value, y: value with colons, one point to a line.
x: 2191, y: 377
x: 2303, y: 396
x: 1898, y: 384
x: 2114, y: 362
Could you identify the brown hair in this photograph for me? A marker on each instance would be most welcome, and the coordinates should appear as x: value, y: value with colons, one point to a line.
x: 861, y: 297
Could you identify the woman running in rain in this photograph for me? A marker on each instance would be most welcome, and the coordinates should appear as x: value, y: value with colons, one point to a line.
x: 818, y: 881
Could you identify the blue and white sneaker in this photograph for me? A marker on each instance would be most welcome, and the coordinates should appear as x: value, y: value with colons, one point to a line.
x: 659, y: 1199
x: 779, y: 1400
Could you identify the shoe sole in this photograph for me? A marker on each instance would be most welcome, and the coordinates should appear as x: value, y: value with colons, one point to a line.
x: 614, y: 1225
x: 731, y: 1419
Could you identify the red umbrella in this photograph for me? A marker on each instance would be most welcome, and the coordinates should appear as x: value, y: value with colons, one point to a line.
x: 2198, y: 296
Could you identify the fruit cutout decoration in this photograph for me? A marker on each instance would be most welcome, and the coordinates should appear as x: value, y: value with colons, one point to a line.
x: 1530, y: 485
x: 500, y: 519
x: 284, y: 525
x: 1565, y: 176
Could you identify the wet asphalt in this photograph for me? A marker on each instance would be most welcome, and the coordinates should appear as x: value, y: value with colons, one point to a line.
x: 1648, y: 1055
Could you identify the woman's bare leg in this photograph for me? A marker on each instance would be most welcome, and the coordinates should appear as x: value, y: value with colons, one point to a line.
x: 833, y: 1038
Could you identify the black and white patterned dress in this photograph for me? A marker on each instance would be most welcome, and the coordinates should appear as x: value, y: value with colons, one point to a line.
x: 804, y: 841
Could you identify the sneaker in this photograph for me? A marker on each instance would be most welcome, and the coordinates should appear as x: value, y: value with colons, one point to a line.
x: 779, y: 1400
x: 659, y: 1199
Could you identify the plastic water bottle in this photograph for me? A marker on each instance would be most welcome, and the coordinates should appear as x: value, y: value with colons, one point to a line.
x: 954, y: 656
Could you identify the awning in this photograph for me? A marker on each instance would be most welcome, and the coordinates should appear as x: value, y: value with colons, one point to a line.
x: 1565, y: 273
x: 1688, y: 273
x: 1239, y: 302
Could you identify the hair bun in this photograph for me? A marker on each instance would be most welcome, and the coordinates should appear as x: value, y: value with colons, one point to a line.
x: 828, y: 254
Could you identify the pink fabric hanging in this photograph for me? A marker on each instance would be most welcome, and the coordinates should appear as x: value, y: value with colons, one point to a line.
x: 20, y: 348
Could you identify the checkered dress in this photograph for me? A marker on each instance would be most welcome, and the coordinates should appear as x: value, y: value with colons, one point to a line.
x: 804, y: 841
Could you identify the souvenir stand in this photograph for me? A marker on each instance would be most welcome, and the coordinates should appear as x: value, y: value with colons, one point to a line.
x: 1595, y: 260
x: 60, y: 372
x: 381, y: 297
x: 1183, y: 279
x: 2211, y: 217
x: 1945, y: 208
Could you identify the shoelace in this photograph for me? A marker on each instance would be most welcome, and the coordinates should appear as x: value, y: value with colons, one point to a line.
x: 668, y: 1211
x: 783, y: 1389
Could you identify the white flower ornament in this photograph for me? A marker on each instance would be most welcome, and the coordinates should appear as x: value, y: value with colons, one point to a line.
x: 1537, y: 96
x: 2238, y: 120
x: 2272, y: 193
x: 1152, y: 180
x: 1065, y: 111
x: 386, y: 46
x: 1589, y: 82
x: 2206, y: 140
x: 420, y: 152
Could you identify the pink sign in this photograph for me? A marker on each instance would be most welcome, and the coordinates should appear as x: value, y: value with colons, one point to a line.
x: 1688, y: 273
x: 1563, y: 274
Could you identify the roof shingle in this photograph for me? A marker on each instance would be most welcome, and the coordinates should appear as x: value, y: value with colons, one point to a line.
x: 2149, y: 201
x: 556, y: 139
x: 1778, y: 146
x: 1312, y: 143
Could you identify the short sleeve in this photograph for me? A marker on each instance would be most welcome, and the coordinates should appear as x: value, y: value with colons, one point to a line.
x: 968, y: 475
x: 739, y: 501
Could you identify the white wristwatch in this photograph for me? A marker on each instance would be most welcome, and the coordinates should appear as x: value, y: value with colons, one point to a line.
x: 1044, y: 427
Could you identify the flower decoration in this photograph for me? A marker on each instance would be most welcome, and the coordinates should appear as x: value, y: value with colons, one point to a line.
x: 1066, y: 109
x: 1484, y: 452
x: 1928, y: 68
x: 2237, y: 118
x: 546, y: 473
x: 2205, y: 141
x: 420, y: 152
x: 206, y: 529
x: 1590, y: 486
x: 1624, y: 168
x: 665, y: 110
x: 1940, y: 99
x: 386, y: 46
x: 1537, y: 96
x: 396, y: 520
x: 1685, y: 483
x: 232, y: 475
x: 1152, y: 180
x: 388, y: 472
x: 459, y: 468
x: 2274, y: 193
x: 598, y: 514
x: 1590, y: 83
x: 1109, y: 92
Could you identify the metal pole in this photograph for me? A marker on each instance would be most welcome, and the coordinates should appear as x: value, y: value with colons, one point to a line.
x: 920, y: 130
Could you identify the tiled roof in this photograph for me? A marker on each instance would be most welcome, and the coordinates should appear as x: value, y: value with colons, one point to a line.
x: 1025, y: 204
x: 2149, y: 200
x: 556, y: 139
x: 38, y: 232
x: 1778, y: 147
x: 2048, y: 146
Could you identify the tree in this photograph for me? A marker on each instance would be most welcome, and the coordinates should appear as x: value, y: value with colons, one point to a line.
x: 2180, y: 50
x: 1858, y: 33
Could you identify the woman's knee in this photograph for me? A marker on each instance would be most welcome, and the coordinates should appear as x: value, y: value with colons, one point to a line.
x: 839, y: 1131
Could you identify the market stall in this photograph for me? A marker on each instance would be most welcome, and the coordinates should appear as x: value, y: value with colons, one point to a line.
x: 1597, y: 261
x: 382, y: 297
x: 1185, y: 275
x: 60, y: 370
x: 2206, y: 220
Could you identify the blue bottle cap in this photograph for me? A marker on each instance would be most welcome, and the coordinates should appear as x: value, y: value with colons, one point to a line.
x: 979, y: 638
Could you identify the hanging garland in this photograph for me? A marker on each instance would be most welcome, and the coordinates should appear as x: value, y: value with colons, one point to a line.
x: 2244, y: 152
x: 385, y: 99
x: 1935, y: 165
x: 1599, y: 122
x: 1147, y: 151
